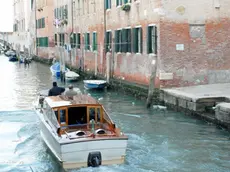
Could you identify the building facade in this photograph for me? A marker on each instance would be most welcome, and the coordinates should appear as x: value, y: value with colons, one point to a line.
x: 20, y: 26
x: 44, y: 28
x: 185, y: 41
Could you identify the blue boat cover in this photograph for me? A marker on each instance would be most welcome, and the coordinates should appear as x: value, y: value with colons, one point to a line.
x: 56, y: 66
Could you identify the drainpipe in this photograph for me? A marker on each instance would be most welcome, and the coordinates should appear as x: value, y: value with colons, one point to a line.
x: 35, y: 16
x: 104, y: 33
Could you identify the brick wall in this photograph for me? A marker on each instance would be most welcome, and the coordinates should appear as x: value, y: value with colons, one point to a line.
x: 193, y: 41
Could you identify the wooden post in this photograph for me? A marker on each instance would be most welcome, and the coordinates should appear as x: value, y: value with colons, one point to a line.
x: 151, y: 83
x: 108, y: 58
x: 95, y: 54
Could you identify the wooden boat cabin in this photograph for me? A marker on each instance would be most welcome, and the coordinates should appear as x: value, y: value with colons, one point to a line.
x: 81, y: 114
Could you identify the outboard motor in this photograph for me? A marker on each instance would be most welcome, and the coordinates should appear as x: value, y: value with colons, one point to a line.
x: 94, y: 159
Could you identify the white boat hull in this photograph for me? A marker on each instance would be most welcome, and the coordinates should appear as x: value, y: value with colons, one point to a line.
x: 74, y: 153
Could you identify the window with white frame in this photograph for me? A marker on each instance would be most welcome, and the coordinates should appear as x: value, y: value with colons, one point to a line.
x: 152, y: 39
x: 137, y: 40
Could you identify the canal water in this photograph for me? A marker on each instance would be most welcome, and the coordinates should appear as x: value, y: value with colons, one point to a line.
x: 158, y: 141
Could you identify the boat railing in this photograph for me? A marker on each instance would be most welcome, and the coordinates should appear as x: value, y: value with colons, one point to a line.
x: 107, y: 117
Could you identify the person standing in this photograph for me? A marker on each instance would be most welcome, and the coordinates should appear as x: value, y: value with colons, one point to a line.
x: 55, y: 90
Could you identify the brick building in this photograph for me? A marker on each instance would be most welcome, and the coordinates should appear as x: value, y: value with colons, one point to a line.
x: 187, y: 41
x: 44, y: 28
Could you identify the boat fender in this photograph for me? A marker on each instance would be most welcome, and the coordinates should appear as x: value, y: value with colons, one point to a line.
x: 80, y: 133
x: 94, y: 159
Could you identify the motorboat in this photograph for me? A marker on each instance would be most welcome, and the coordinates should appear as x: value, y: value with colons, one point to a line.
x: 9, y: 53
x: 71, y: 76
x: 79, y: 131
x: 13, y: 58
x: 94, y: 84
x: 56, y: 69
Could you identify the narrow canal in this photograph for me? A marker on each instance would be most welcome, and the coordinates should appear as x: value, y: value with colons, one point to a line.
x: 158, y: 141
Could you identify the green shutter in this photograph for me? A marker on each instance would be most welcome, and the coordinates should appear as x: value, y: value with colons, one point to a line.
x: 94, y: 41
x: 129, y: 40
x: 74, y: 40
x: 46, y: 42
x: 55, y: 39
x: 149, y: 40
x: 117, y: 3
x: 141, y: 41
x: 79, y: 40
x: 66, y: 12
x: 155, y: 39
x: 55, y: 13
x: 116, y: 41
x: 135, y: 44
x: 125, y: 1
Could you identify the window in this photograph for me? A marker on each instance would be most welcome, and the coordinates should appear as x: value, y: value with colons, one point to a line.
x: 87, y: 41
x: 137, y: 40
x: 126, y: 40
x: 78, y: 40
x: 62, y: 39
x: 32, y: 4
x: 73, y: 40
x: 152, y: 39
x: 65, y: 12
x: 63, y: 116
x: 118, y: 41
x: 55, y: 39
x: 43, y: 42
x: 94, y: 41
x: 40, y: 23
x: 107, y: 4
x: 126, y: 1
x: 119, y: 2
x: 108, y: 40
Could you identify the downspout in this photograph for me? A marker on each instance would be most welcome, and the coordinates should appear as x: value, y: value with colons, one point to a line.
x: 104, y: 36
x: 35, y: 16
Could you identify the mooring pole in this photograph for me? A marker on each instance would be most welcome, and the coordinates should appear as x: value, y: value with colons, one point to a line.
x: 151, y: 84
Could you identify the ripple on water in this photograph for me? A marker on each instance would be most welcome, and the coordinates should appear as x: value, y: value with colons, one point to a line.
x: 159, y: 142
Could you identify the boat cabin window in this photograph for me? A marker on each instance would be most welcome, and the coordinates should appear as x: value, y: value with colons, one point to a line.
x: 94, y: 113
x: 77, y: 115
x: 56, y: 113
x: 63, y: 116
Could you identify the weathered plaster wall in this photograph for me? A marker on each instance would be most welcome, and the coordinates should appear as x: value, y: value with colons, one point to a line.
x: 204, y: 31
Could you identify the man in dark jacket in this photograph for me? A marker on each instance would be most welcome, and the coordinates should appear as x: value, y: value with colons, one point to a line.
x: 55, y: 91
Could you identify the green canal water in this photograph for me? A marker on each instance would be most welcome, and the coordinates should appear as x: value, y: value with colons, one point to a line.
x: 158, y: 141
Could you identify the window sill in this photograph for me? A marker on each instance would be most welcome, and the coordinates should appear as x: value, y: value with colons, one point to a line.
x: 119, y: 6
x: 138, y: 53
x: 152, y: 54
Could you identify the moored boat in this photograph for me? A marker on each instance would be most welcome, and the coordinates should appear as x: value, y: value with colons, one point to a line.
x: 71, y: 76
x: 94, y: 84
x: 80, y: 132
x: 56, y: 69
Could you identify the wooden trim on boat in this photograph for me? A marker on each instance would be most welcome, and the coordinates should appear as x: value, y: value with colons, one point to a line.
x: 95, y: 139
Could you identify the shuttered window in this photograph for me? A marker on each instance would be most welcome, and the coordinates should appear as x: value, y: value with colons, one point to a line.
x: 43, y: 42
x: 87, y: 41
x: 108, y: 43
x: 94, y: 41
x: 78, y: 40
x: 119, y: 2
x: 137, y: 40
x: 118, y: 41
x: 152, y: 39
x: 107, y: 4
x: 55, y: 39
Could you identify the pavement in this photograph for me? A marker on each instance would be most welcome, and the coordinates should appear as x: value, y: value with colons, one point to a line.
x: 201, y: 91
